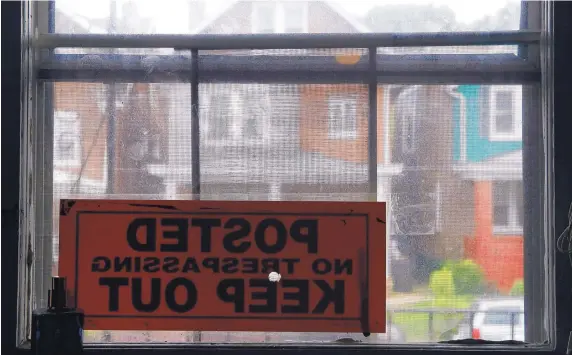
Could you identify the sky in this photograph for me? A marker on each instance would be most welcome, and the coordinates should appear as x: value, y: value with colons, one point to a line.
x: 173, y: 18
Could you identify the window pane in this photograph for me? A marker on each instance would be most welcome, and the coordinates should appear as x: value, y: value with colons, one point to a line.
x: 504, y: 101
x: 501, y: 215
x: 504, y: 122
x: 519, y: 203
x: 330, y: 16
x: 294, y: 17
x: 264, y: 17
x: 276, y: 145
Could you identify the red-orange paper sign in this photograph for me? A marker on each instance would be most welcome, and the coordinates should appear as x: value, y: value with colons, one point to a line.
x: 205, y: 265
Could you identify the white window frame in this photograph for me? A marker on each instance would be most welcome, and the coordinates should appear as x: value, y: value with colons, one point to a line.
x: 438, y: 207
x: 342, y: 103
x: 516, y: 133
x: 65, y: 121
x: 407, y: 107
x: 512, y: 227
x: 279, y: 15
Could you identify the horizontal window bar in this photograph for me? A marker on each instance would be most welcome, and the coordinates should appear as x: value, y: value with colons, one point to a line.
x: 445, y: 68
x: 290, y: 41
x: 293, y: 77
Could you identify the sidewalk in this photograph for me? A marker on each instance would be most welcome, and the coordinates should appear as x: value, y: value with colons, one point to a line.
x: 400, y: 300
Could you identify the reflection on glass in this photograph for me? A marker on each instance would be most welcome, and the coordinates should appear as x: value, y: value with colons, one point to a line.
x: 454, y: 186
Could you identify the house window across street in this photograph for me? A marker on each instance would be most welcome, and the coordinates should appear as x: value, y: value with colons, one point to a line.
x: 505, y: 113
x: 279, y: 17
x: 67, y: 139
x: 342, y: 117
x: 507, y: 207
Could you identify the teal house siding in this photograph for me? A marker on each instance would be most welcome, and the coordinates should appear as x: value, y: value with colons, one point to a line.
x: 479, y: 146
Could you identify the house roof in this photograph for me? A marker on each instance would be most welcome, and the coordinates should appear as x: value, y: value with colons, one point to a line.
x: 83, y: 22
x: 229, y: 4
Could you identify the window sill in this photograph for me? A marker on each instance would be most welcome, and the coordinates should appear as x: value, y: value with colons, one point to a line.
x: 345, y: 137
x: 505, y: 138
x: 229, y: 143
x: 314, y: 348
x: 507, y: 231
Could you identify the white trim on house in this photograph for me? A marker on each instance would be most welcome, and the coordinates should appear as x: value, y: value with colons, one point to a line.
x: 515, y: 134
x: 504, y: 167
x: 386, y: 123
x: 342, y: 117
x: 462, y: 120
x: 67, y: 127
x: 64, y: 182
x: 438, y: 207
x: 406, y: 106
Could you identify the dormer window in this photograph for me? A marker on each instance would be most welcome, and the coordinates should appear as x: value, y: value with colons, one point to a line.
x: 505, y: 113
x: 279, y: 17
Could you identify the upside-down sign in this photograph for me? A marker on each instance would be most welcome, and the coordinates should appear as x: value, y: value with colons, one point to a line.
x: 196, y: 265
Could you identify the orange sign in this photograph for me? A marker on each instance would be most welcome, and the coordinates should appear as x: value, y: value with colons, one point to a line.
x: 228, y: 266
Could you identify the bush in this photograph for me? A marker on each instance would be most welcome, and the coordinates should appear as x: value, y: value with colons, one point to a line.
x: 442, y: 284
x: 517, y: 288
x: 468, y: 278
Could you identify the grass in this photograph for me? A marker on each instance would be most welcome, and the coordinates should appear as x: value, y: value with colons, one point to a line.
x: 415, y: 325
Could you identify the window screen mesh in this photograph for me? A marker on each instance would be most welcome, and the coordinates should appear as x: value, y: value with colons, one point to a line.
x: 437, y: 168
x: 449, y: 158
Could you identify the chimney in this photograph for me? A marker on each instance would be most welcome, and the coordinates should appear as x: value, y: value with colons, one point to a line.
x: 197, y: 11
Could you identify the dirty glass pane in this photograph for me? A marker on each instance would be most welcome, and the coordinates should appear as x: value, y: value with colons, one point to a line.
x: 201, y: 16
x: 437, y: 169
x: 274, y: 16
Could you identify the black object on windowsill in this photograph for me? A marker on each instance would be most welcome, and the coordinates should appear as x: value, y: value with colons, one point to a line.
x: 58, y: 329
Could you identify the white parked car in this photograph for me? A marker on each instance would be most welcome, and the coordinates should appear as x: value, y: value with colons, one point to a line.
x: 494, y: 319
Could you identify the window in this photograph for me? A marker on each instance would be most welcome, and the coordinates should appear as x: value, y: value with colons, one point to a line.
x: 67, y: 139
x: 505, y: 113
x: 219, y: 124
x: 235, y: 117
x: 264, y: 18
x: 507, y: 207
x: 342, y: 157
x: 279, y: 17
x: 295, y: 17
x: 342, y: 118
